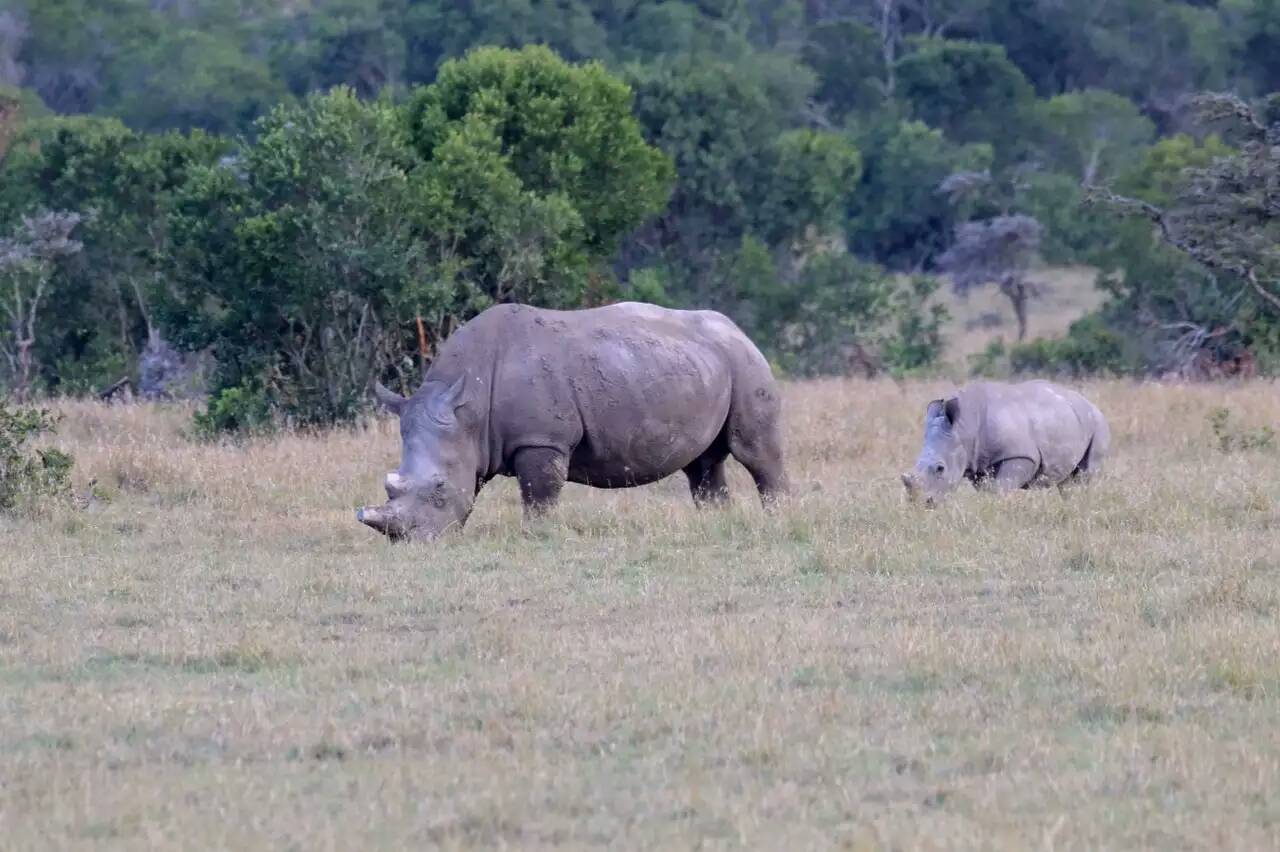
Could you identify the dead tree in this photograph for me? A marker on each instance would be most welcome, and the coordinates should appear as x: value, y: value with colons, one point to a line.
x: 27, y: 262
x: 996, y: 251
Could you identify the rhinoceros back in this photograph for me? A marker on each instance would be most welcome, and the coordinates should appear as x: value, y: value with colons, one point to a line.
x: 630, y: 392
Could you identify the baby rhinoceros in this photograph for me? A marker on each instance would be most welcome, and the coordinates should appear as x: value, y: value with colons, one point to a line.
x: 1014, y: 435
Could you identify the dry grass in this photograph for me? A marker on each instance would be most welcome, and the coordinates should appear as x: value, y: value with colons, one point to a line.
x: 221, y: 656
x: 1066, y: 294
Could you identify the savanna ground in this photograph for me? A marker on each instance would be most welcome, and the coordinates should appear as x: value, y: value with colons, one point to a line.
x: 219, y: 656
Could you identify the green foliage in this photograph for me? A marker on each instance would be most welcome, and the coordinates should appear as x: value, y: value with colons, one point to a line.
x: 810, y: 182
x: 720, y: 123
x: 785, y: 132
x: 558, y: 148
x: 914, y: 341
x: 969, y: 91
x: 307, y: 263
x: 848, y: 60
x: 1073, y: 233
x: 837, y: 315
x: 1230, y: 439
x: 1093, y: 135
x: 1159, y: 173
x: 826, y: 317
x: 992, y: 362
x: 1197, y: 282
x: 897, y: 215
x: 27, y: 473
x: 99, y: 307
x: 321, y: 245
x: 1090, y: 348
x: 241, y: 410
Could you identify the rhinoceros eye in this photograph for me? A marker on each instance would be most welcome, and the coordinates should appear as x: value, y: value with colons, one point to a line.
x: 939, y: 468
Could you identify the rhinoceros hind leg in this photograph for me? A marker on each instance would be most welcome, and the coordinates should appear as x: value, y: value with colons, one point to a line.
x: 707, y: 481
x: 541, y: 472
x: 1091, y: 465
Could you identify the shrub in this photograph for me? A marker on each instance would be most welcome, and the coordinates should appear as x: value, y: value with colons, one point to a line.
x: 992, y: 362
x: 1090, y: 348
x: 1230, y: 439
x: 236, y: 409
x: 27, y: 473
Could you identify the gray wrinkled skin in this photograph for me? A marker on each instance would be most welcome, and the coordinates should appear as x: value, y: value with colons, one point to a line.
x: 1012, y: 435
x: 609, y: 397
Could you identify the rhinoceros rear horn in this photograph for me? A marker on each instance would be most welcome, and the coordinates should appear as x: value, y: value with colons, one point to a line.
x: 389, y: 398
x: 910, y: 482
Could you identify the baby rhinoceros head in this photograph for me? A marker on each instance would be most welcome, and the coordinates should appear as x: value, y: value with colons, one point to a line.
x: 943, y: 458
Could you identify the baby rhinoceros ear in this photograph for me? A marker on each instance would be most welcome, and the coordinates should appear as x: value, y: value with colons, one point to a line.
x: 943, y: 409
x: 952, y: 409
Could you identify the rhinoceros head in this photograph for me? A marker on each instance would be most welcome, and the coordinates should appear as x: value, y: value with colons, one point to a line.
x: 435, y: 486
x: 943, y: 458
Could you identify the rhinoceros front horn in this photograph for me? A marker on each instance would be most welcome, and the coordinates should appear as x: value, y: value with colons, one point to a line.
x: 372, y: 516
x: 392, y: 400
x: 910, y: 482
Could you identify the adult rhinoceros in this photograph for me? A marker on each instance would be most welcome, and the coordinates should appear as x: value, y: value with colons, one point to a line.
x: 610, y: 397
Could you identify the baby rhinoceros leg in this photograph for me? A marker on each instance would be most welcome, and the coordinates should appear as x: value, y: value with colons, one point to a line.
x: 541, y: 472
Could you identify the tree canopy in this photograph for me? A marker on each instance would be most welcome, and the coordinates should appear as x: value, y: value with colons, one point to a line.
x: 273, y: 182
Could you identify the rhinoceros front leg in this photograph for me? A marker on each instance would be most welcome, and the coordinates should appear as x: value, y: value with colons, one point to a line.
x: 541, y: 472
x: 1012, y: 474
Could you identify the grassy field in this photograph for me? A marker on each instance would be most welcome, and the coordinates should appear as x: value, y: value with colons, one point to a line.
x: 1065, y: 294
x: 220, y: 656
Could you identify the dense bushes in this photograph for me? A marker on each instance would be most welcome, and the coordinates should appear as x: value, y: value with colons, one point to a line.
x: 27, y: 473
x: 317, y: 193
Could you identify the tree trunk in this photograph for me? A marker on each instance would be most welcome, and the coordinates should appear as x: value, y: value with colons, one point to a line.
x: 1018, y: 295
x: 889, y: 42
x: 22, y: 389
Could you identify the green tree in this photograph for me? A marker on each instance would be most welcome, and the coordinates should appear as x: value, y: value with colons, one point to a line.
x: 311, y: 261
x: 969, y: 91
x: 27, y: 262
x: 1200, y: 288
x: 568, y: 172
x: 322, y: 240
x: 847, y: 59
x: 1258, y: 29
x: 99, y: 304
x: 1093, y: 135
x: 898, y: 215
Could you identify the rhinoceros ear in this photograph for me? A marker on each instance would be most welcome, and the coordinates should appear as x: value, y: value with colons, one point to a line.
x: 952, y: 409
x: 936, y: 409
x: 392, y: 400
